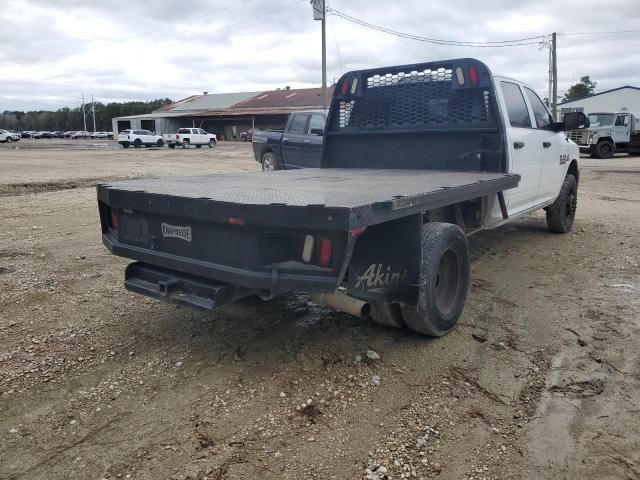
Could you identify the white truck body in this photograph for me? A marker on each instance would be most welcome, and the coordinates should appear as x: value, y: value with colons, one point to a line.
x: 540, y: 155
x: 609, y: 133
x: 190, y: 136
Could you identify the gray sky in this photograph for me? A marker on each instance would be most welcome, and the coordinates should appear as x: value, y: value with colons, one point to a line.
x: 52, y: 51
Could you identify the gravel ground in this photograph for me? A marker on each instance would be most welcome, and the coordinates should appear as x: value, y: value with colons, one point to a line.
x: 539, y: 380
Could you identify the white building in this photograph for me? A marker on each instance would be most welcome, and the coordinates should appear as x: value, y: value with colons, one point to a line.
x: 621, y: 99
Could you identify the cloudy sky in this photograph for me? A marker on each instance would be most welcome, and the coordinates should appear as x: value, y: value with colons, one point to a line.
x: 52, y: 51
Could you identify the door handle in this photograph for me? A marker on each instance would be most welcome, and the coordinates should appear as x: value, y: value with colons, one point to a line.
x: 307, y: 141
x: 285, y: 139
x: 546, y: 144
x: 518, y: 144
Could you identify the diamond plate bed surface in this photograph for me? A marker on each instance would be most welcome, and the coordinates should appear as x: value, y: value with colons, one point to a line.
x: 332, y: 188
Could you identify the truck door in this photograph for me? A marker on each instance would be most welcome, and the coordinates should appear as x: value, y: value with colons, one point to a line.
x: 313, y: 141
x: 524, y: 150
x: 203, y: 138
x: 292, y: 144
x: 553, y: 145
x: 622, y: 128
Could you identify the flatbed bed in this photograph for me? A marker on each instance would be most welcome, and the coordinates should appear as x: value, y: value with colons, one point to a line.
x: 352, y: 198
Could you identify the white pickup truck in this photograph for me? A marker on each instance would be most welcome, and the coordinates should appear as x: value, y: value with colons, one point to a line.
x: 190, y: 136
x: 415, y: 159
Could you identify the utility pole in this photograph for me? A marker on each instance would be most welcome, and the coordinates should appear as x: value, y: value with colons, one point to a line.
x: 93, y: 111
x: 554, y: 67
x: 320, y: 13
x: 549, y: 95
x: 84, y: 115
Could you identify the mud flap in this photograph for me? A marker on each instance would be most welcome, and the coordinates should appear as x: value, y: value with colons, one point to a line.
x: 386, y: 260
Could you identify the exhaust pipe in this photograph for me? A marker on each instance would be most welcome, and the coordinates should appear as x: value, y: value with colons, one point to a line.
x: 344, y: 303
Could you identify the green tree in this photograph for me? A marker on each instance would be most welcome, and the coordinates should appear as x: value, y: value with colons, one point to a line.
x: 581, y: 89
x: 71, y: 118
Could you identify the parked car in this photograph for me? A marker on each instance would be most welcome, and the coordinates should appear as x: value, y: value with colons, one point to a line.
x: 138, y: 138
x: 80, y: 134
x: 190, y: 136
x: 298, y: 146
x: 381, y: 228
x: 26, y: 134
x: 8, y: 137
x: 247, y: 135
x: 68, y: 134
x: 110, y: 135
x: 99, y: 135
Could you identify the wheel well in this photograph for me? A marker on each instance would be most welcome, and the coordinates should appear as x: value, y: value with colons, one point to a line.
x: 608, y: 139
x: 573, y: 170
x: 264, y: 152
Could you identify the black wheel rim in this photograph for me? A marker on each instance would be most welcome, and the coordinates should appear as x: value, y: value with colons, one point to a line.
x: 605, y: 150
x: 448, y: 281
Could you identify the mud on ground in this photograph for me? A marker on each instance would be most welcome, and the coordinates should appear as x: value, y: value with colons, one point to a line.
x: 539, y: 379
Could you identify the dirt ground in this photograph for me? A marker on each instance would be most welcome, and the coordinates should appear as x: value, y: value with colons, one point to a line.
x: 540, y: 379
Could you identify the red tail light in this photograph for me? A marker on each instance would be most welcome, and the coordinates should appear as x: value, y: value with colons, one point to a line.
x: 113, y: 218
x: 473, y: 74
x: 344, y: 87
x: 236, y: 221
x: 177, y: 137
x: 325, y: 252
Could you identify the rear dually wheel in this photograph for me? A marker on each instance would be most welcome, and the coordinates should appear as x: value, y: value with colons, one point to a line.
x: 444, y: 280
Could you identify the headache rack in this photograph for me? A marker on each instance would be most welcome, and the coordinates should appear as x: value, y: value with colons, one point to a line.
x: 407, y: 117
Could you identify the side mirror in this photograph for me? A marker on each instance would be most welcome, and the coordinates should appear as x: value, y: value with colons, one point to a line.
x: 575, y: 121
x: 316, y: 131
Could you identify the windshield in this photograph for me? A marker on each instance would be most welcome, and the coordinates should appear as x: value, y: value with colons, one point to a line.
x: 600, y: 119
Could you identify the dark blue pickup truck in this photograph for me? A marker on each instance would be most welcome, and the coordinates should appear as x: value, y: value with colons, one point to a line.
x: 298, y: 146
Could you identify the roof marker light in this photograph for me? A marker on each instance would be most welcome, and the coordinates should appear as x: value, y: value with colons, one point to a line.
x: 354, y: 86
x: 460, y: 75
x: 473, y: 74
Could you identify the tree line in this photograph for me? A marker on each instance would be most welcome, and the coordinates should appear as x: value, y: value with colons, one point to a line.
x: 67, y: 118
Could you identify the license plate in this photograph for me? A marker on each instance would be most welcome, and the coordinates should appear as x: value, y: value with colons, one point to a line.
x: 176, y: 231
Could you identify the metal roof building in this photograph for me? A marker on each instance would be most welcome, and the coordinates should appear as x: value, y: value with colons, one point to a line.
x: 227, y: 114
x: 621, y: 99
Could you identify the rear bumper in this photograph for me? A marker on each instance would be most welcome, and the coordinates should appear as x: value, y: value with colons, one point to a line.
x: 180, y: 288
x: 278, y: 280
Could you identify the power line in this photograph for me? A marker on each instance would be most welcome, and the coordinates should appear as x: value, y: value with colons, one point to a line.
x: 534, y: 40
x: 335, y: 39
x: 615, y: 32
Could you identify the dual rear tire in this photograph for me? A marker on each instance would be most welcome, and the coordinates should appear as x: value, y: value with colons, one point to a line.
x: 443, y: 286
x: 445, y: 270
